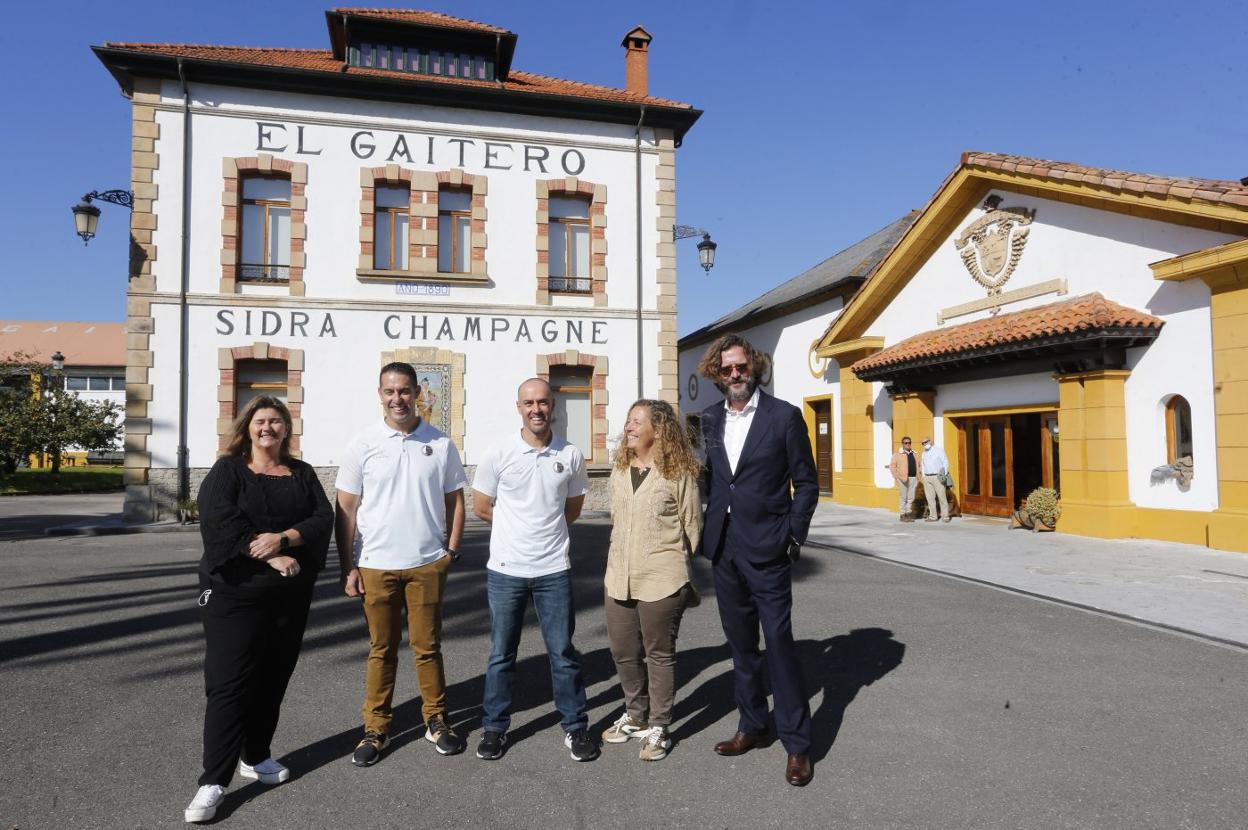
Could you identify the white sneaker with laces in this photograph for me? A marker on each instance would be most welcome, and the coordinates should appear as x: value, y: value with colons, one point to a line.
x: 205, y: 803
x: 267, y: 771
x: 623, y: 729
x: 655, y: 744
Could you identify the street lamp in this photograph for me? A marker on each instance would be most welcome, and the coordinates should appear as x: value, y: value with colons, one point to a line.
x: 706, y: 248
x: 58, y: 361
x: 87, y: 215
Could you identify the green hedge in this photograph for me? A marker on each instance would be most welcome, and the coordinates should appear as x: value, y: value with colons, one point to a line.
x: 70, y: 480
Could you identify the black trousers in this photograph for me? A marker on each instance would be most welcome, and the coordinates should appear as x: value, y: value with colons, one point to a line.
x: 253, y: 640
x: 753, y: 595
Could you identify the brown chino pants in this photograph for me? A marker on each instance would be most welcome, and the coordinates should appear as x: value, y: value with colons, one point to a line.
x: 643, y: 645
x: 386, y: 595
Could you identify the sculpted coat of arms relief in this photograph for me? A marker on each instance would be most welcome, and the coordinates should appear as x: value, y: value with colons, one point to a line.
x: 992, y: 245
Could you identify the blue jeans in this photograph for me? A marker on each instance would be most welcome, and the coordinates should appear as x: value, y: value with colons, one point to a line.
x: 552, y: 597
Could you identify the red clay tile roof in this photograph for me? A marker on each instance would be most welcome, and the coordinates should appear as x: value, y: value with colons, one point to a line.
x: 323, y: 60
x: 1087, y: 313
x: 1206, y: 190
x: 83, y: 344
x: 424, y: 18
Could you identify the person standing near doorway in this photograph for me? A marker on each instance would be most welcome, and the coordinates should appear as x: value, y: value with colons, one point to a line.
x: 935, y: 468
x: 530, y: 487
x: 905, y: 470
x: 400, y: 485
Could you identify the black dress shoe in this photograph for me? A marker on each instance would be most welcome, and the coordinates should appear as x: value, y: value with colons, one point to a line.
x: 798, y: 771
x: 742, y: 742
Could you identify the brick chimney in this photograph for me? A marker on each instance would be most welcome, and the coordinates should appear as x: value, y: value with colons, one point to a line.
x: 637, y: 46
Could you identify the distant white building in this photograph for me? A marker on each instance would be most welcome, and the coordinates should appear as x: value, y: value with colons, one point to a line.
x: 95, y: 364
x: 403, y: 194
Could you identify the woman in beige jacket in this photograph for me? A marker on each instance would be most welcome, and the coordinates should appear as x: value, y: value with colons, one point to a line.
x: 657, y: 524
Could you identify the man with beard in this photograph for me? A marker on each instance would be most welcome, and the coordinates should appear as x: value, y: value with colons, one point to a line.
x: 530, y: 486
x: 399, y: 482
x: 761, y: 494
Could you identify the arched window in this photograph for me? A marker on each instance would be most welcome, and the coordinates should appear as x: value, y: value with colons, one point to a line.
x: 1178, y: 430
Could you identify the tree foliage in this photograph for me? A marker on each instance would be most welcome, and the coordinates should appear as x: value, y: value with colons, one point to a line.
x: 38, y: 415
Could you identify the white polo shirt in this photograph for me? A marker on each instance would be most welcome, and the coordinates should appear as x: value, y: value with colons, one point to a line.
x: 402, y: 480
x: 530, y: 486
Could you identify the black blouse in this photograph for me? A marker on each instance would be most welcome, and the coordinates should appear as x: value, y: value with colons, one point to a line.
x: 236, y: 504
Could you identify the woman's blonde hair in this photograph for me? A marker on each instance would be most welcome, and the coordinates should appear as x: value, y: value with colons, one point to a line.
x: 240, y: 433
x: 673, y: 455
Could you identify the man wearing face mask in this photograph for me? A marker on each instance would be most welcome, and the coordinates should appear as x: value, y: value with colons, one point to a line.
x: 935, y: 466
x: 761, y: 493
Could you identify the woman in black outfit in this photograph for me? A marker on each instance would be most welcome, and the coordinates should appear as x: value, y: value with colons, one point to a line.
x: 266, y: 526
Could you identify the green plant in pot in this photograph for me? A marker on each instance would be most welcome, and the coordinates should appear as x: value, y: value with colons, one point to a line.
x: 188, y: 511
x: 1044, y: 508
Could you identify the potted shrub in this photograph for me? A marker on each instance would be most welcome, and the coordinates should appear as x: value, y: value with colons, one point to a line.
x: 1044, y: 508
x: 188, y: 511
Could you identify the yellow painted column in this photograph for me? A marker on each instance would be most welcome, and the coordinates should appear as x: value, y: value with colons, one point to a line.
x: 1092, y: 428
x: 854, y: 483
x: 1228, y: 305
x: 913, y: 414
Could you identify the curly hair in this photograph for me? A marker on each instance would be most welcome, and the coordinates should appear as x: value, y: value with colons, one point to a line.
x: 708, y: 366
x: 673, y: 455
x: 240, y: 431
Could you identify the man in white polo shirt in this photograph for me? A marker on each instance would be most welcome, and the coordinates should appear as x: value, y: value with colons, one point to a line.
x: 399, y: 482
x: 530, y: 487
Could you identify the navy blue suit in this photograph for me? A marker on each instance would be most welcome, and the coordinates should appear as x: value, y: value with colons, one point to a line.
x: 772, y: 497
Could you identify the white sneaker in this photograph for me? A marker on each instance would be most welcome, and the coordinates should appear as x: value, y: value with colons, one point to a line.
x: 655, y: 744
x: 205, y: 803
x: 623, y: 729
x: 267, y: 771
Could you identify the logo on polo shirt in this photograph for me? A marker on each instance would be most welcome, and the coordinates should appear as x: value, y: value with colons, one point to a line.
x: 426, y: 450
x: 558, y: 466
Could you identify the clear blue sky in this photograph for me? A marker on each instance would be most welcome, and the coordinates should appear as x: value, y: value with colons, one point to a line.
x: 865, y: 107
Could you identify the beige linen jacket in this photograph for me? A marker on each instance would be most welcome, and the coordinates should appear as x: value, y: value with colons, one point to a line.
x: 655, y: 532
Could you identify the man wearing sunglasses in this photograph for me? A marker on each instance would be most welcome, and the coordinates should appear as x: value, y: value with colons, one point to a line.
x: 761, y: 494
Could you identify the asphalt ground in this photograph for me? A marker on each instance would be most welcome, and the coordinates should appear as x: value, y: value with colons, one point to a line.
x: 25, y: 517
x: 937, y: 703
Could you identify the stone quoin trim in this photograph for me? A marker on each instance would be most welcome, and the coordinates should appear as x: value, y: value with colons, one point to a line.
x: 665, y: 249
x: 233, y: 170
x: 417, y: 355
x: 228, y: 358
x: 597, y: 193
x: 422, y: 221
x: 140, y: 325
x: 598, y: 392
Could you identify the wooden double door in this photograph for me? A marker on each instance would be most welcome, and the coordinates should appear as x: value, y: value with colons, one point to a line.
x: 1002, y: 458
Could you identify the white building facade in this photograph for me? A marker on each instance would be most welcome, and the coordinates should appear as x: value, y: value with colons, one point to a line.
x: 1049, y: 325
x: 305, y: 216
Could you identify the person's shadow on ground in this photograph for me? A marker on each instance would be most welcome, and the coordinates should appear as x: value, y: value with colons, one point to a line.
x: 836, y: 668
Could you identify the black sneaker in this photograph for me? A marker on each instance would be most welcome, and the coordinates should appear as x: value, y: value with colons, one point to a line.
x: 580, y: 745
x: 443, y: 737
x: 491, y: 746
x: 368, y: 751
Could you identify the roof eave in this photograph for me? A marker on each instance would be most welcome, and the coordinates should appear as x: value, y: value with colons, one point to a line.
x: 125, y: 64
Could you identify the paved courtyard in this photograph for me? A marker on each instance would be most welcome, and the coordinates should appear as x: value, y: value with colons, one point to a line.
x: 938, y: 703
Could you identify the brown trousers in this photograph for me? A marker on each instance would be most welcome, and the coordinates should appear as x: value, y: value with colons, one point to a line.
x: 643, y: 645
x: 386, y: 595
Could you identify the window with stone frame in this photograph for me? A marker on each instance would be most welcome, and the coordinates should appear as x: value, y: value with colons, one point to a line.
x: 390, y: 227
x: 573, y: 411
x: 454, y: 230
x: 254, y: 378
x: 570, y: 258
x: 264, y: 229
